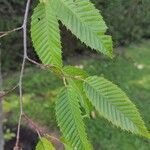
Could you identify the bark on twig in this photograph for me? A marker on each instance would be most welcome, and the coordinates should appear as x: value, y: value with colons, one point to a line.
x: 5, y: 33
x: 4, y: 93
x: 24, y: 27
x: 34, y: 126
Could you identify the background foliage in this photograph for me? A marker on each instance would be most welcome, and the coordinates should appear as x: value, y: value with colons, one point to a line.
x: 127, y: 21
x: 130, y: 71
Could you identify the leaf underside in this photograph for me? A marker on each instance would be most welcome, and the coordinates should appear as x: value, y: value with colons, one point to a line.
x: 113, y: 104
x: 46, y: 35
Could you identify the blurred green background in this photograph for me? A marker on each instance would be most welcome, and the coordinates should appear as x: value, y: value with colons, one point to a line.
x: 129, y: 25
x: 127, y: 20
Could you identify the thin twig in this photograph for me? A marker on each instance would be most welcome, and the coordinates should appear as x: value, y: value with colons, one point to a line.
x: 22, y: 72
x: 35, y: 127
x: 42, y: 66
x: 4, y: 33
x: 32, y: 124
x: 53, y: 138
x: 4, y: 93
x: 34, y: 62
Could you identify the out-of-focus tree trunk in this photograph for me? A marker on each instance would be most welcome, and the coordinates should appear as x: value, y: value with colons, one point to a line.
x: 1, y: 111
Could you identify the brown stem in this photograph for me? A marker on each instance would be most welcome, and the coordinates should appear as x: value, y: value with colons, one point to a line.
x: 35, y: 127
x: 3, y: 93
x: 42, y: 66
x: 32, y: 124
x: 4, y: 33
x: 24, y: 26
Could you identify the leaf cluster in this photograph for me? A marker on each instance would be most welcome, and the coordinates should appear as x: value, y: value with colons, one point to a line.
x: 81, y: 92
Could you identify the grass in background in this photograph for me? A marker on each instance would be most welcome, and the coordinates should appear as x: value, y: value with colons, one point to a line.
x: 131, y: 71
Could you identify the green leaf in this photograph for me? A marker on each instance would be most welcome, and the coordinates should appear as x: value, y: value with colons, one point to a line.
x: 72, y: 71
x: 85, y: 22
x: 46, y: 35
x: 68, y: 115
x: 78, y: 87
x: 43, y: 1
x: 67, y: 145
x: 44, y: 144
x: 113, y: 104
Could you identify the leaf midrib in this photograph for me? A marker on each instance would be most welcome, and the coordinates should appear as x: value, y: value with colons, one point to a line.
x: 49, y: 41
x: 84, y: 24
x: 73, y: 112
x: 114, y: 107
